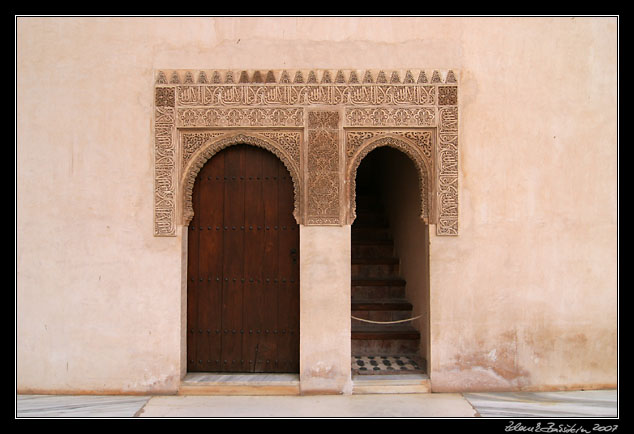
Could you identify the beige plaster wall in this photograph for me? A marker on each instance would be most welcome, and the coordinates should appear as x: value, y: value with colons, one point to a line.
x: 525, y: 297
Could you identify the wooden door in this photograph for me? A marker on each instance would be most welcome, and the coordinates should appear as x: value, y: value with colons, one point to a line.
x: 243, y: 266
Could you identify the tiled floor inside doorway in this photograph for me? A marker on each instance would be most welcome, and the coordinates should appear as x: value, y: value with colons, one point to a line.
x: 387, y: 365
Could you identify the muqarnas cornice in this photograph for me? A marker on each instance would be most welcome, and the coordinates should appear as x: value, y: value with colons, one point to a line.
x: 304, y: 88
x: 304, y: 76
x: 267, y: 102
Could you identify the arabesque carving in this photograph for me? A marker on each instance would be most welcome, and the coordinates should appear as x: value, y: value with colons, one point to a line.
x: 395, y: 117
x: 164, y: 172
x: 323, y: 185
x: 242, y: 117
x: 320, y: 123
x: 447, y: 172
x: 417, y: 145
x: 213, y: 142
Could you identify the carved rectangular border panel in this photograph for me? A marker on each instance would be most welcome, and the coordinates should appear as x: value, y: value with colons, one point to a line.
x: 447, y: 177
x: 164, y: 172
x: 274, y: 100
x: 394, y: 117
x: 323, y: 180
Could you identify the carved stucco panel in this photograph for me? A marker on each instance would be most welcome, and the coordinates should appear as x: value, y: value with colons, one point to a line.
x: 417, y: 145
x: 323, y: 180
x: 211, y: 142
x: 303, y: 95
x: 164, y: 173
x: 320, y: 123
x: 447, y: 173
x: 386, y: 116
x: 240, y: 117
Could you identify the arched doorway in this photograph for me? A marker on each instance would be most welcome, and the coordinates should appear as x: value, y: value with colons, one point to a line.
x: 390, y: 272
x: 243, y: 265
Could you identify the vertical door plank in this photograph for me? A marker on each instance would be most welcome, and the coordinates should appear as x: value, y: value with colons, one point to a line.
x: 267, y: 353
x: 210, y: 262
x: 288, y: 259
x: 253, y: 257
x: 232, y: 263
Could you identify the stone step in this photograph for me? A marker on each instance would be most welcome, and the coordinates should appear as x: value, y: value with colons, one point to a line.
x: 378, y: 291
x: 364, y: 331
x: 386, y: 383
x: 239, y: 384
x: 383, y: 304
x: 383, y: 315
x: 370, y: 261
x: 374, y: 270
x: 383, y: 347
x: 382, y: 339
x: 380, y: 309
x: 372, y: 248
x: 374, y: 292
x: 388, y: 281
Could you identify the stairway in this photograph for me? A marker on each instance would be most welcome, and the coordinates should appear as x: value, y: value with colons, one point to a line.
x: 378, y: 294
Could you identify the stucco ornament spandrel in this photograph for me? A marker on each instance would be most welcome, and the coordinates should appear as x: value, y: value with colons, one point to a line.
x: 211, y: 142
x: 417, y: 145
x: 320, y: 123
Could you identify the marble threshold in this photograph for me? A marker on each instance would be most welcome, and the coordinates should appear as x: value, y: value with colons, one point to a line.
x: 288, y: 384
x: 202, y: 383
x: 394, y: 384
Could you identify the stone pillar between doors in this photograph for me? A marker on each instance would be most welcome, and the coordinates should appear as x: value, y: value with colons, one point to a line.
x: 325, y: 310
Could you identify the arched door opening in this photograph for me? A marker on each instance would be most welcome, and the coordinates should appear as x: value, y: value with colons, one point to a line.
x: 390, y: 272
x: 243, y: 266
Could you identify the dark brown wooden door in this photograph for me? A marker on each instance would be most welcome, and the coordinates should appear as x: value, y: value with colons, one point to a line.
x: 243, y: 266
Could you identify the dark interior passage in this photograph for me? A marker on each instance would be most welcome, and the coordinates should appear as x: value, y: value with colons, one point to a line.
x: 383, y: 340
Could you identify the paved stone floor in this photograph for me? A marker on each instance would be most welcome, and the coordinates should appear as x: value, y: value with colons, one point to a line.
x: 577, y: 404
x: 572, y: 404
x: 68, y: 406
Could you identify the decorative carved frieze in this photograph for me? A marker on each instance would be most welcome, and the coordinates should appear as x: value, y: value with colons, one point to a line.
x: 241, y: 117
x: 319, y: 122
x: 304, y: 95
x: 387, y: 116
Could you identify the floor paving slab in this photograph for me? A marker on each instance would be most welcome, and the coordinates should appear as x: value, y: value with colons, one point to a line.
x: 569, y: 404
x: 82, y: 406
x: 328, y: 406
x: 504, y: 405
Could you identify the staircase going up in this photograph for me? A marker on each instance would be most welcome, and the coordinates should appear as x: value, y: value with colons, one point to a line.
x: 378, y: 295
